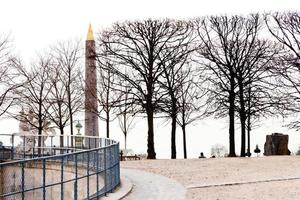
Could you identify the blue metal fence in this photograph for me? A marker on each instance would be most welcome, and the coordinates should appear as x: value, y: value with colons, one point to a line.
x: 55, y: 171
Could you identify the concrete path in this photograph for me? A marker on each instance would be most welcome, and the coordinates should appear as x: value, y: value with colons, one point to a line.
x: 149, y: 186
x: 121, y: 191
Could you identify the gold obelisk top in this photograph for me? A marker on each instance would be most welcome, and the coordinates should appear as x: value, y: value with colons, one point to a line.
x: 90, y: 35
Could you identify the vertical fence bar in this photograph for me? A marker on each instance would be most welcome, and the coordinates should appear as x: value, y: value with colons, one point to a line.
x: 105, y: 171
x: 97, y: 170
x: 110, y: 168
x: 62, y: 178
x: 44, y: 179
x: 118, y: 163
x: 22, y: 180
x: 76, y: 178
x: 88, y: 175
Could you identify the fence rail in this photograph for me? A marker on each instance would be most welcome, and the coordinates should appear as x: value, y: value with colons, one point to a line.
x: 57, y: 167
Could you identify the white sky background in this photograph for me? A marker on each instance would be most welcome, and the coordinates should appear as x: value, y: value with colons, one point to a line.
x: 36, y: 24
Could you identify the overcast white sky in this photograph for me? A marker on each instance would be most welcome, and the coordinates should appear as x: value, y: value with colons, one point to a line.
x: 35, y: 24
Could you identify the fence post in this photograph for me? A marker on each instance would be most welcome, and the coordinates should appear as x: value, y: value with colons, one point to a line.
x: 62, y: 178
x: 22, y: 180
x: 118, y: 149
x: 97, y: 171
x: 110, y: 168
x: 88, y: 175
x: 76, y: 178
x: 44, y: 179
x: 105, y: 171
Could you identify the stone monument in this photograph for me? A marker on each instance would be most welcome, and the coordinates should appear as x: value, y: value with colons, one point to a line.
x: 276, y: 144
x: 91, y: 106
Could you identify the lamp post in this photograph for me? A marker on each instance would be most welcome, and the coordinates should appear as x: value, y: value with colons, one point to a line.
x: 78, y: 137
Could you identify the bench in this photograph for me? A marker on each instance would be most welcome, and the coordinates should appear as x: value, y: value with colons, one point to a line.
x: 124, y: 158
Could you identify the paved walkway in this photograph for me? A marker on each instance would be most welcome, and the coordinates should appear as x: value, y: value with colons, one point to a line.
x: 149, y: 186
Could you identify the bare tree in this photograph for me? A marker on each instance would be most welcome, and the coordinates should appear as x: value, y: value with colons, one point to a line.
x: 108, y: 92
x: 126, y: 114
x: 218, y: 37
x: 285, y: 28
x: 58, y: 111
x: 218, y: 150
x: 141, y: 46
x: 33, y: 94
x: 66, y: 95
x: 177, y: 56
x: 8, y: 75
x: 190, y: 101
x: 238, y: 59
x: 255, y: 57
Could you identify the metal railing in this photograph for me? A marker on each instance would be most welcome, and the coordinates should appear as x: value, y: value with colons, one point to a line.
x: 60, y: 167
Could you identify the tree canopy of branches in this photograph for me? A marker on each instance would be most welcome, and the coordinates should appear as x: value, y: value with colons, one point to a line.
x: 178, y: 55
x: 191, y: 102
x: 66, y: 94
x: 51, y: 89
x: 34, y: 93
x: 8, y: 75
x: 126, y: 112
x: 236, y: 59
x: 285, y: 28
x: 142, y: 47
x: 108, y: 92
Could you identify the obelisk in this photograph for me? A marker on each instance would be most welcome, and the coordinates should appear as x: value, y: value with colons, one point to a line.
x: 91, y: 105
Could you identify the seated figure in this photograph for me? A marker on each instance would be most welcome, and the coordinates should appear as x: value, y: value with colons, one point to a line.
x: 201, y: 155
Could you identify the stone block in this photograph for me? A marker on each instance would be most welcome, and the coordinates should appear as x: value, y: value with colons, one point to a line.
x: 276, y: 144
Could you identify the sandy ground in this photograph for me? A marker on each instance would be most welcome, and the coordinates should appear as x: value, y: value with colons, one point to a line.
x: 200, y: 177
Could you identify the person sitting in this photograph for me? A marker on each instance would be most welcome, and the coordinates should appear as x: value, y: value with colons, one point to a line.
x: 202, y: 155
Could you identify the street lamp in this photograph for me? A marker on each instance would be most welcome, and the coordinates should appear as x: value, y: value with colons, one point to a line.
x: 78, y: 137
x: 78, y: 127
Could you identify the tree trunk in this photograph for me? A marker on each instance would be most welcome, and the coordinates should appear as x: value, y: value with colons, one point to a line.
x: 184, y: 141
x: 71, y: 129
x: 61, y: 136
x: 61, y: 127
x: 150, y: 151
x: 71, y: 116
x: 243, y: 136
x: 231, y: 118
x: 40, y: 131
x: 242, y: 120
x: 249, y: 123
x: 173, y: 136
x: 125, y: 127
x: 248, y: 138
x: 125, y: 141
x: 107, y: 124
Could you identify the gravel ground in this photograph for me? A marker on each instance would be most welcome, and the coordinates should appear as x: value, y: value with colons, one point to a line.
x: 230, y: 178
